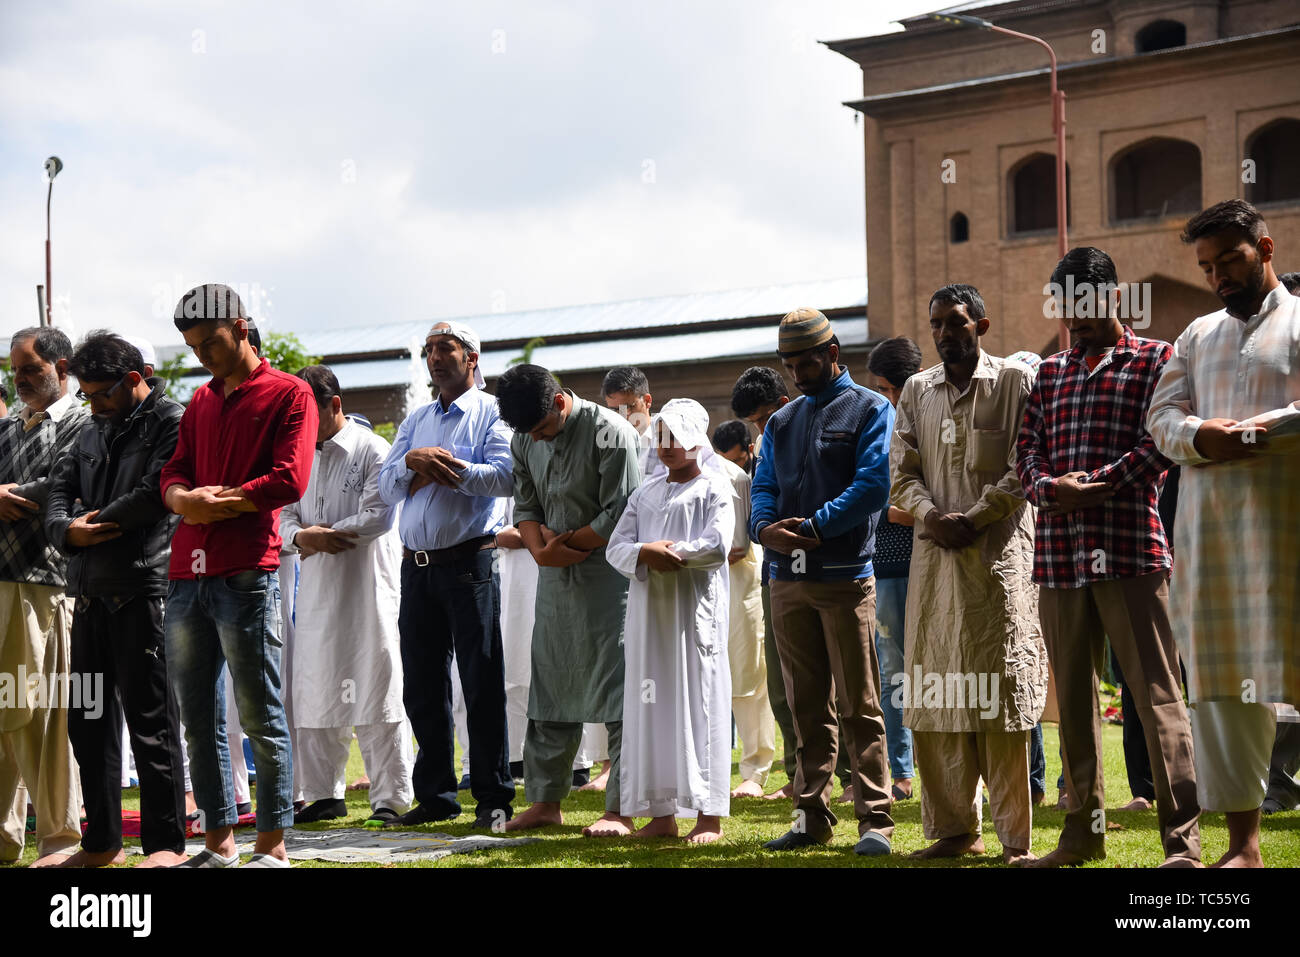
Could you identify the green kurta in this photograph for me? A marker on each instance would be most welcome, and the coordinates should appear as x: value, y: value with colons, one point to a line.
x: 582, y: 477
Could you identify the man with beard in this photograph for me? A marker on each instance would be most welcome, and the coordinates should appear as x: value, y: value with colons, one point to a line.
x: 822, y: 480
x: 1100, y: 556
x: 35, y: 615
x: 449, y: 470
x: 972, y: 611
x: 575, y: 464
x: 107, y: 515
x: 1228, y: 402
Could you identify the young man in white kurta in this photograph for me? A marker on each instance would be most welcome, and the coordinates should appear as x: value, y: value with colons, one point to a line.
x: 346, y: 666
x: 1233, y: 598
x: 677, y: 679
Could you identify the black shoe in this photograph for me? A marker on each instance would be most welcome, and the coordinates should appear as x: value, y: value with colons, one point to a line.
x: 581, y: 777
x: 245, y: 808
x: 382, y: 817
x: 793, y: 840
x: 326, y: 809
x: 464, y: 783
x: 516, y: 769
x: 422, y: 815
x: 487, y: 819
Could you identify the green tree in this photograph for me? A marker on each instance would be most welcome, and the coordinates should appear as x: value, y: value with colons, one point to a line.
x: 172, y: 372
x: 7, y: 377
x: 387, y: 430
x: 286, y: 352
x: 527, y: 356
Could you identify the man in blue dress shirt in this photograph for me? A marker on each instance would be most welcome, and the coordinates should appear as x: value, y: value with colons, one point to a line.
x: 450, y: 469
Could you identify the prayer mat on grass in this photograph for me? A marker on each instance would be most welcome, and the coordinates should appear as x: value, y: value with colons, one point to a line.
x: 375, y: 846
x: 131, y: 824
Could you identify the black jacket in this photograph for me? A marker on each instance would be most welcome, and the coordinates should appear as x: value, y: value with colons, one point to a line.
x: 119, y: 477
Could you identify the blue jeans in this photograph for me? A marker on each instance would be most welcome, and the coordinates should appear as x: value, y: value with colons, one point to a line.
x: 235, y: 621
x: 891, y: 606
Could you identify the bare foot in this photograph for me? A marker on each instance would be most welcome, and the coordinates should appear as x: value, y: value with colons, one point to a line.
x: 85, y: 858
x: 786, y: 792
x: 52, y: 860
x: 610, y: 825
x: 846, y: 796
x: 708, y: 828
x: 748, y: 789
x: 1060, y: 858
x: 952, y: 847
x: 658, y: 827
x: 598, y: 783
x: 539, y: 814
x: 1137, y: 804
x: 1172, y: 862
x: 360, y: 784
x: 1241, y: 857
x: 1017, y: 856
x: 163, y: 859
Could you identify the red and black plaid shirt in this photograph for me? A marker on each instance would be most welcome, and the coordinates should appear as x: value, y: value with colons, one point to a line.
x: 1076, y: 422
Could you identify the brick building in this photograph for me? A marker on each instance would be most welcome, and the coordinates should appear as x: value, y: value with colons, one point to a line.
x: 1165, y: 101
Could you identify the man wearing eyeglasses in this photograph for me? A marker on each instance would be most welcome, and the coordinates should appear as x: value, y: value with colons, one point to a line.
x: 106, y: 514
x: 35, y: 614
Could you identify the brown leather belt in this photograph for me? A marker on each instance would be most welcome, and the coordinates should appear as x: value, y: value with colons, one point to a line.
x: 452, y: 553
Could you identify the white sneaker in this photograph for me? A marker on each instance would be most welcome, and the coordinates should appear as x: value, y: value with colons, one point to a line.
x: 266, y: 860
x: 207, y: 858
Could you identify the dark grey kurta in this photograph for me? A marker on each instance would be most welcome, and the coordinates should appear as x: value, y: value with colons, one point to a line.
x: 582, y: 477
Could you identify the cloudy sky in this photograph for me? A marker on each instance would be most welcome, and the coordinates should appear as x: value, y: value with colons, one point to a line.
x: 348, y: 163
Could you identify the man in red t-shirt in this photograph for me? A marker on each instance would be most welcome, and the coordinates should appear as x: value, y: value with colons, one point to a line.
x: 244, y: 451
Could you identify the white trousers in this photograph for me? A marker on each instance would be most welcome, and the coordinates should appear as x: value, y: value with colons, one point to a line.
x: 1233, y: 743
x: 757, y: 729
x: 386, y: 749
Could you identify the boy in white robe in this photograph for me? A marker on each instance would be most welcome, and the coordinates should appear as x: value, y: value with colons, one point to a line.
x: 672, y: 542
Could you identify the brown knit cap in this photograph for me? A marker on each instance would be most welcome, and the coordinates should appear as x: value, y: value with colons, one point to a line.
x: 802, y: 330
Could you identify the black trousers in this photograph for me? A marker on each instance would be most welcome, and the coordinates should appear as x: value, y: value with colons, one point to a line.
x: 126, y: 647
x: 445, y: 608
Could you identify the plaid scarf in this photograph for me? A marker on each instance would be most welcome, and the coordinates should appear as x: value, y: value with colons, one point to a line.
x: 30, y: 455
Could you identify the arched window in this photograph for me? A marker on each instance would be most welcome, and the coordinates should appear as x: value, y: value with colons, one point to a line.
x: 1031, y: 190
x: 1275, y: 148
x: 1158, y: 177
x: 1160, y: 35
x: 958, y: 228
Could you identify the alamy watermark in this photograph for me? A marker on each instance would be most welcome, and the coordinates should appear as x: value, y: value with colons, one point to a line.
x: 947, y: 691
x: 1086, y: 300
x: 40, y: 691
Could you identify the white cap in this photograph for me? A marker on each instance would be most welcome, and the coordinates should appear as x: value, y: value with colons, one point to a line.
x: 146, y: 349
x: 468, y: 338
x: 688, y: 421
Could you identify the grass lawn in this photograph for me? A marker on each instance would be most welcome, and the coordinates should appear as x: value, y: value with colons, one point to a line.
x: 1132, y: 839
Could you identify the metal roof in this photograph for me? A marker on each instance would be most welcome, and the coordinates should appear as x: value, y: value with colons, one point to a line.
x: 599, y: 317
x: 629, y: 317
x: 677, y: 348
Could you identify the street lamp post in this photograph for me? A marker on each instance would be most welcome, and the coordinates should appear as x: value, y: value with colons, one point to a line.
x: 1058, y: 128
x: 45, y: 298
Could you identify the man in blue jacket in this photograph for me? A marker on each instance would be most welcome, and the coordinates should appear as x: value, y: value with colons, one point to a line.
x: 821, y: 482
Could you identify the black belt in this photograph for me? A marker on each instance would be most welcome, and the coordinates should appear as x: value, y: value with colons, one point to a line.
x: 452, y: 553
